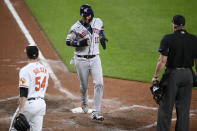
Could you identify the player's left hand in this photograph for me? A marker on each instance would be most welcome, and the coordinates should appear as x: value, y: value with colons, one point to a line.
x: 21, y: 123
x: 103, y: 41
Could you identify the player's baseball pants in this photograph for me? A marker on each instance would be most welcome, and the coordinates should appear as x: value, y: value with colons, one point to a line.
x: 178, y: 91
x: 34, y: 110
x: 84, y: 67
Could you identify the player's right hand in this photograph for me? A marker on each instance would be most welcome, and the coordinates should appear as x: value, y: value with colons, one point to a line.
x: 84, y: 42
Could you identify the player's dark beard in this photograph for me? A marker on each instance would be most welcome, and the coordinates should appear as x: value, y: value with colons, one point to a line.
x: 89, y: 20
x: 85, y: 23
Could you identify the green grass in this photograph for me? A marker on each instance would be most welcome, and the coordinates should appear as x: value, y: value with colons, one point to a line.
x: 134, y: 29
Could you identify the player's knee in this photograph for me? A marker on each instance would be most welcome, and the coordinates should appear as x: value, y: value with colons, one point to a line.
x: 99, y: 84
x: 83, y: 87
x: 83, y: 90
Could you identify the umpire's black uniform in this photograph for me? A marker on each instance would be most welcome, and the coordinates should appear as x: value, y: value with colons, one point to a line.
x: 180, y: 48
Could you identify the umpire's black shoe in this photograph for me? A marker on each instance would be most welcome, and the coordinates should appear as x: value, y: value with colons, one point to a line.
x: 97, y: 116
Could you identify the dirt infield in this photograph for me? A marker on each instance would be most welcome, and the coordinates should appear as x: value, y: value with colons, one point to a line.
x: 127, y: 105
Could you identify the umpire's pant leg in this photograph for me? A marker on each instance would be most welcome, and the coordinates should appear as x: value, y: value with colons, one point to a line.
x: 183, y: 100
x: 166, y: 107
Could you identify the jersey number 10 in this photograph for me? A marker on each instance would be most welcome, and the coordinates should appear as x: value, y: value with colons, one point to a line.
x: 96, y: 40
x: 39, y: 83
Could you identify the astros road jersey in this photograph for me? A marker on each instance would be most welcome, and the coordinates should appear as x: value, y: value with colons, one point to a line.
x: 34, y: 76
x: 79, y: 32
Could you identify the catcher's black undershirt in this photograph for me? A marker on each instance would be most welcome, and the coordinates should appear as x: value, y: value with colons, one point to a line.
x: 181, y: 49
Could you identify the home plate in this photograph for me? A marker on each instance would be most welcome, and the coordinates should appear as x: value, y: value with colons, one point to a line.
x: 79, y: 110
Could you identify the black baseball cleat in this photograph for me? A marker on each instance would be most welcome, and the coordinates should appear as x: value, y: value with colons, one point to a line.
x: 97, y: 116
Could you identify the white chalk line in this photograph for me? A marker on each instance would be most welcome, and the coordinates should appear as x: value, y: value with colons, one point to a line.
x: 10, y: 98
x: 134, y: 106
x: 5, y: 60
x: 42, y: 58
x: 144, y: 107
x: 155, y: 123
x: 5, y: 119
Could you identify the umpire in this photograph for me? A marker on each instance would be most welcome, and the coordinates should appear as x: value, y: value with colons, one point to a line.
x: 178, y: 51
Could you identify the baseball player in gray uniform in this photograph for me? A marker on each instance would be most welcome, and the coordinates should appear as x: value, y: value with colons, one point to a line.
x: 84, y: 35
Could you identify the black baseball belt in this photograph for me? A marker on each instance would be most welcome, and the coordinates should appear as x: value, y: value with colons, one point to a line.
x: 178, y: 68
x: 181, y: 68
x: 34, y: 98
x: 86, y: 56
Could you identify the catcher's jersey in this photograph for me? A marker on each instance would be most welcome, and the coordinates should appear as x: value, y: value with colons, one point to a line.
x: 78, y: 32
x: 34, y: 76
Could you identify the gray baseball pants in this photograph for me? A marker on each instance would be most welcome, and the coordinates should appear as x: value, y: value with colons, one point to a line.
x: 84, y: 67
